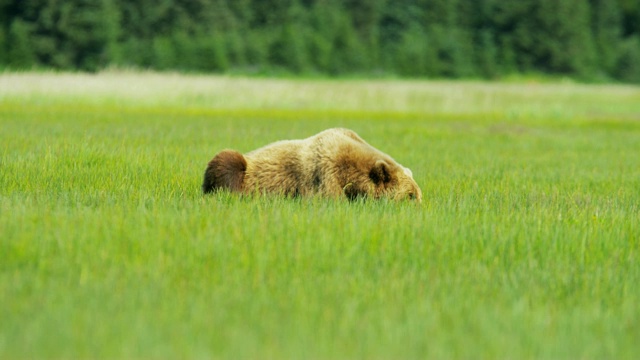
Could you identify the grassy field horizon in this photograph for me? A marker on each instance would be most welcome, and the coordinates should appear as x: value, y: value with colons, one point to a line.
x: 526, y: 245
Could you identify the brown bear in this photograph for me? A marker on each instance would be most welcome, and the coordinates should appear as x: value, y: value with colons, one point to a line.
x: 333, y: 163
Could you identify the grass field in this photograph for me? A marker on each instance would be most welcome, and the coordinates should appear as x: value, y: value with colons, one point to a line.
x: 527, y: 243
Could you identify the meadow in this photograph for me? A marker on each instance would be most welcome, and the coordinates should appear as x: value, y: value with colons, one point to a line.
x: 527, y: 243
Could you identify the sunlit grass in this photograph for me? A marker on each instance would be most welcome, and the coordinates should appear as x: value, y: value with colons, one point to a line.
x: 527, y: 244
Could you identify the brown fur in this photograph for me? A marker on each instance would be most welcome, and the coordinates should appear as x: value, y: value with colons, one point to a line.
x: 333, y: 163
x: 226, y: 170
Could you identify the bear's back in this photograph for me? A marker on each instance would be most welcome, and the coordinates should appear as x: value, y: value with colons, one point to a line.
x: 307, y: 166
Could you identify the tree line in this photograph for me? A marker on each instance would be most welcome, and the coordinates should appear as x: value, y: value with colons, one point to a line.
x: 586, y: 39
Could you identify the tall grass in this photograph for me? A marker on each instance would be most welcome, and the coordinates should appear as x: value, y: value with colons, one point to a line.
x: 527, y: 244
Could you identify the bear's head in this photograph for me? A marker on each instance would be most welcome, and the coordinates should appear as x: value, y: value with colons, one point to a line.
x: 394, y: 181
x: 384, y: 178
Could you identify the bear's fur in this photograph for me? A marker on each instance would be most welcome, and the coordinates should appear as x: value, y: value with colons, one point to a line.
x: 333, y: 163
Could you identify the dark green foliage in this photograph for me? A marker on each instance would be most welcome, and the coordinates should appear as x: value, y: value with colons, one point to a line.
x: 487, y: 50
x: 628, y: 65
x: 563, y: 43
x: 415, y: 55
x: 348, y: 53
x: 20, y: 54
x: 589, y: 39
x: 112, y: 23
x: 630, y: 17
x: 606, y: 24
x: 164, y: 53
x: 289, y: 48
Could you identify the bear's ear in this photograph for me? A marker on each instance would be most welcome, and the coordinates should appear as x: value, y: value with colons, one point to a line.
x: 379, y: 173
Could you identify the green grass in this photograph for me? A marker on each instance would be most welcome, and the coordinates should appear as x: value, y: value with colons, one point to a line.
x: 527, y: 244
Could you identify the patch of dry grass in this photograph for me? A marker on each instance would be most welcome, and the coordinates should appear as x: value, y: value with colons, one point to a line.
x: 523, y: 100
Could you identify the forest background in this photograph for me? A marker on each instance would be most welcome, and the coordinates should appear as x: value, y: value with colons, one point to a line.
x: 589, y: 40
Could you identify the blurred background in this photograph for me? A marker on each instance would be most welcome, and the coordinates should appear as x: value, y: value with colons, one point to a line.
x: 589, y: 40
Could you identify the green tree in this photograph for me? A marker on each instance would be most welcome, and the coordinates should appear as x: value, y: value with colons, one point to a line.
x: 630, y: 10
x: 164, y: 53
x: 323, y: 19
x: 450, y: 30
x: 348, y: 52
x: 606, y: 24
x: 212, y: 53
x: 628, y: 65
x: 366, y: 16
x: 564, y: 43
x: 257, y: 45
x: 544, y: 35
x: 4, y: 31
x: 3, y: 47
x: 20, y: 54
x: 112, y: 26
x: 335, y: 46
x: 289, y: 50
x: 403, y: 38
x: 416, y: 55
x: 448, y: 38
x: 487, y: 54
